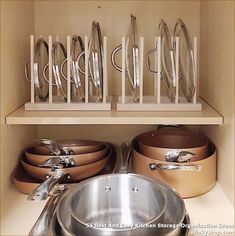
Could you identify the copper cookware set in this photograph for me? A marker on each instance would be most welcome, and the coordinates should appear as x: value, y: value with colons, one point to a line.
x: 184, y: 160
x: 65, y: 161
x: 172, y: 158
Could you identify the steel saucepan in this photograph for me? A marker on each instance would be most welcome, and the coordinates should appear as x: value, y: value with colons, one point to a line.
x: 173, y: 145
x: 121, y: 206
x: 73, y: 160
x: 189, y: 179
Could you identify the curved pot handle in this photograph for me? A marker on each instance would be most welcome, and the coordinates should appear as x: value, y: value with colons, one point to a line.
x: 26, y: 69
x: 113, y: 55
x: 155, y: 166
x: 159, y: 127
x: 44, y: 72
x: 78, y: 64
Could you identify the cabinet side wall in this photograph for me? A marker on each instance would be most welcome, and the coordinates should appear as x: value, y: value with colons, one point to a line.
x: 17, y: 23
x: 217, y: 82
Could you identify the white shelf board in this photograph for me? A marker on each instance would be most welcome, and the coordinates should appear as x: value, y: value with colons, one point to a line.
x: 211, y: 208
x: 208, y: 116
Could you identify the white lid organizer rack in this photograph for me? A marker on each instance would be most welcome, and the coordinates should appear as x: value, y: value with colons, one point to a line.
x: 53, y: 103
x: 157, y: 102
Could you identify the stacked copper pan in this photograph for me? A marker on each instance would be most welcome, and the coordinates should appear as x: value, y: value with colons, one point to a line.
x: 183, y: 159
x: 65, y: 161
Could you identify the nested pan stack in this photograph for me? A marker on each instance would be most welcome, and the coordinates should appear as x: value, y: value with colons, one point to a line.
x: 76, y: 160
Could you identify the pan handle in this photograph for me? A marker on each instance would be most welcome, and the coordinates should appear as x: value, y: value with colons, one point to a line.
x: 42, y: 191
x: 159, y: 127
x: 43, y: 223
x: 56, y: 162
x: 126, y: 151
x: 51, y: 144
x: 155, y: 166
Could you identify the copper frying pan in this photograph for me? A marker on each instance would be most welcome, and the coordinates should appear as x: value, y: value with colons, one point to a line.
x: 26, y: 183
x: 78, y: 146
x: 173, y: 145
x: 52, y: 177
x: 189, y: 179
x: 72, y: 160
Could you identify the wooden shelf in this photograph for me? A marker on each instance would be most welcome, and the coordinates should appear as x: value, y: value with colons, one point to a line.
x: 212, y: 208
x: 208, y: 116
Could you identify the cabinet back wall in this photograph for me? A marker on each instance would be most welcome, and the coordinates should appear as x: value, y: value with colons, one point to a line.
x: 75, y: 17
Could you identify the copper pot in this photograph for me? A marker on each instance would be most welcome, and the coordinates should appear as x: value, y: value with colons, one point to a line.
x: 189, y: 179
x: 172, y: 145
x: 72, y: 160
x: 78, y: 146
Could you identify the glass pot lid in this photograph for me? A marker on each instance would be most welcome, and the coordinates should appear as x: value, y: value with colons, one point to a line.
x: 186, y: 60
x: 96, y: 58
x: 132, y: 59
x: 40, y: 59
x: 167, y: 60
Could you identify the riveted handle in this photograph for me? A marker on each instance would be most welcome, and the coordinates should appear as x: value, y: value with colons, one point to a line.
x: 113, y: 57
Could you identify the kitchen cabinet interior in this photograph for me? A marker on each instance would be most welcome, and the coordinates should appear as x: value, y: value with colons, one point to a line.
x: 211, y: 21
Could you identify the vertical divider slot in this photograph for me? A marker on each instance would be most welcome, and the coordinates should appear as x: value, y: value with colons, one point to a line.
x: 32, y: 68
x: 105, y: 72
x: 86, y: 70
x: 196, y: 85
x: 50, y: 68
x: 159, y: 70
x: 68, y: 69
x: 123, y: 70
x: 141, y: 56
x: 177, y: 69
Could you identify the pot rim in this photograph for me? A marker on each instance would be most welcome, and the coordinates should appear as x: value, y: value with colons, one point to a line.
x: 84, y: 182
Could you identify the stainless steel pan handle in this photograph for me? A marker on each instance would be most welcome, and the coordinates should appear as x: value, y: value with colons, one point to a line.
x: 126, y: 153
x: 52, y: 145
x: 55, y: 162
x: 179, y: 156
x: 43, y: 190
x: 43, y: 223
x: 155, y: 166
x: 113, y: 56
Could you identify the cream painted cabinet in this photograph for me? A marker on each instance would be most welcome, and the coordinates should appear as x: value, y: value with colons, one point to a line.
x: 211, y: 21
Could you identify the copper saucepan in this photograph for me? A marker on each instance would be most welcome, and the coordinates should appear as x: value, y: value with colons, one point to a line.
x: 70, y: 160
x: 53, y: 177
x: 189, y: 179
x: 78, y: 146
x: 173, y: 145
